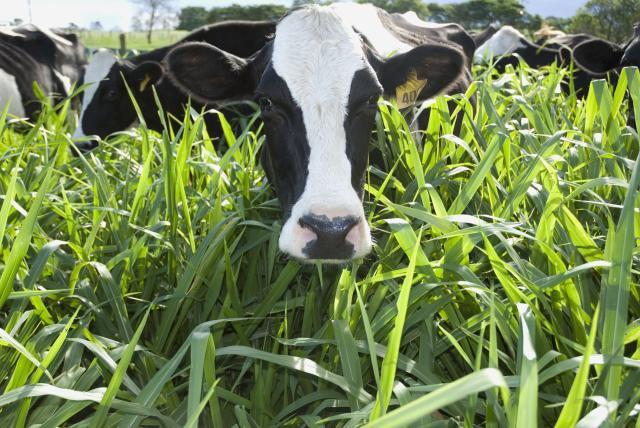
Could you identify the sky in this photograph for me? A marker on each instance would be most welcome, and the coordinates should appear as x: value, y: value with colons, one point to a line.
x: 118, y: 13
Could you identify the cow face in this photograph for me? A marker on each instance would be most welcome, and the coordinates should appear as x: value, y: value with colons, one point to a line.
x: 317, y: 85
x: 106, y: 104
x: 505, y: 41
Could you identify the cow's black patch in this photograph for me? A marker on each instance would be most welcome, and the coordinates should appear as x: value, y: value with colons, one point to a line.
x: 285, y: 156
x: 361, y: 110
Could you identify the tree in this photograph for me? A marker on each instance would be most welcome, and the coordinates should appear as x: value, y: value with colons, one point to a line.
x: 297, y: 3
x: 191, y: 17
x: 96, y: 26
x: 561, y: 24
x: 610, y: 19
x: 401, y: 6
x: 477, y: 14
x: 136, y: 24
x: 154, y: 12
x: 265, y: 12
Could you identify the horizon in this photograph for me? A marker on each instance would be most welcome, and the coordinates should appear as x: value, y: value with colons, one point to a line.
x: 119, y: 14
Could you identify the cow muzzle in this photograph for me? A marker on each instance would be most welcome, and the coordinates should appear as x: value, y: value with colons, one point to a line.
x: 326, y: 237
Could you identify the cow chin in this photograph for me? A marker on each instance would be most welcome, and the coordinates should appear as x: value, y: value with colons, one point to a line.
x: 315, y: 233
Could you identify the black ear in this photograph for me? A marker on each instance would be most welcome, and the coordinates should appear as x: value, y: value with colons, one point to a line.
x: 566, y: 56
x: 420, y: 73
x: 142, y: 76
x: 597, y: 56
x: 209, y: 74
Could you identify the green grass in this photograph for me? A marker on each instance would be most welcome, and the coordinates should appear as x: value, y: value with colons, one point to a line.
x: 134, y: 39
x: 142, y: 285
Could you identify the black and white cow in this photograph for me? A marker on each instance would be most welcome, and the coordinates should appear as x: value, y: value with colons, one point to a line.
x: 29, y: 54
x: 107, y: 107
x: 508, y: 41
x: 318, y: 83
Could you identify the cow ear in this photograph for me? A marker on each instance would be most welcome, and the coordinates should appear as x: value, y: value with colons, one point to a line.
x: 597, y: 56
x: 420, y: 73
x: 145, y: 74
x: 209, y: 74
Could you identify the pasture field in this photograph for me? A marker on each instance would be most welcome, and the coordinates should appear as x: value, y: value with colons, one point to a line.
x: 135, y: 39
x: 141, y: 284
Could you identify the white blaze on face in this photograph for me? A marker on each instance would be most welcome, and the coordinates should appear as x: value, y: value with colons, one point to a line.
x: 97, y: 70
x: 10, y: 94
x: 505, y: 41
x: 317, y: 54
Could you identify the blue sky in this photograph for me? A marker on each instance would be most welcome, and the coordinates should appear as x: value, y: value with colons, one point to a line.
x: 118, y: 13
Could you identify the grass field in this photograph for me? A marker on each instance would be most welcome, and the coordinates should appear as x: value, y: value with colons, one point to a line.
x: 134, y: 40
x: 142, y: 285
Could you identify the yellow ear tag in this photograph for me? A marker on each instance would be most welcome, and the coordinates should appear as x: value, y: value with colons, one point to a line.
x: 408, y: 93
x: 145, y: 82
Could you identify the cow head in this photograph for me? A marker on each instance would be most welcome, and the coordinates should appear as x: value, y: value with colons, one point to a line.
x: 63, y: 52
x: 106, y: 104
x: 599, y: 56
x: 317, y: 84
x: 505, y: 41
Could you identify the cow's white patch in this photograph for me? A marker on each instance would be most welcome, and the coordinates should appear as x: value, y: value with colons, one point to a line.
x: 412, y: 18
x: 56, y: 38
x: 66, y: 82
x: 8, y: 31
x: 10, y: 94
x: 34, y: 28
x: 505, y: 41
x: 97, y: 70
x: 365, y: 19
x: 316, y: 52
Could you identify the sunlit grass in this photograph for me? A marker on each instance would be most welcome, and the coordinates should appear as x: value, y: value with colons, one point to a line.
x: 141, y: 284
x: 134, y: 39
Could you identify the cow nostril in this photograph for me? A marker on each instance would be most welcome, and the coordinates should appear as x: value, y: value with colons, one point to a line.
x: 322, y: 225
x: 331, y: 236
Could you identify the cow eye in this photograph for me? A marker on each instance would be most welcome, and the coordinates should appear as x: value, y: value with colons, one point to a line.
x: 265, y: 103
x: 111, y: 94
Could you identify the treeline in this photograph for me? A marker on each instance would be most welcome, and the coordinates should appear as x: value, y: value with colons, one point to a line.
x: 610, y: 19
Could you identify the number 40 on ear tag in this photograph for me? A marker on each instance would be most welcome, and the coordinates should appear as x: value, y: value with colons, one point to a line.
x: 408, y: 93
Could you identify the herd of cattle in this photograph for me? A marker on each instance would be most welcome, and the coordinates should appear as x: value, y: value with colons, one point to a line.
x: 317, y: 76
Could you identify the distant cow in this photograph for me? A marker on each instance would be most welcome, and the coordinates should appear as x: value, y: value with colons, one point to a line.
x: 547, y: 32
x: 599, y: 58
x: 107, y: 107
x: 29, y: 54
x: 318, y: 84
x: 508, y: 41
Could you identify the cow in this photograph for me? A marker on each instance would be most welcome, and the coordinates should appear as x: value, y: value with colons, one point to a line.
x: 598, y: 58
x: 107, y: 107
x: 29, y: 54
x: 508, y: 41
x: 318, y: 83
